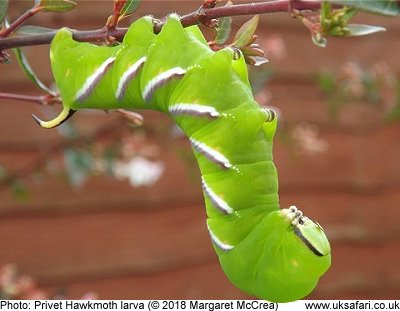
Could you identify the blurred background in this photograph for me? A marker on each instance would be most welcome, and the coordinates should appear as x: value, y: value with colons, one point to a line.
x: 104, y: 208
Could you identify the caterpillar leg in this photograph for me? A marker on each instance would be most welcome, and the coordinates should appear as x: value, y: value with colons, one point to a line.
x: 65, y: 114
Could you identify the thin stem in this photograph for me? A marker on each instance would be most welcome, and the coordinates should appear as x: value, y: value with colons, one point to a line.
x: 28, y: 98
x: 199, y: 16
x: 249, y: 9
x: 45, y: 38
x: 113, y: 19
x: 28, y: 14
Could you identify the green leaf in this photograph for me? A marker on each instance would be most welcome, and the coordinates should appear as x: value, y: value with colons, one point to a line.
x: 255, y: 60
x: 23, y: 62
x: 57, y: 5
x: 326, y: 10
x: 30, y: 30
x: 129, y: 8
x: 348, y: 14
x: 3, y: 9
x: 245, y: 34
x: 334, y: 22
x: 363, y: 30
x: 224, y: 29
x: 385, y: 7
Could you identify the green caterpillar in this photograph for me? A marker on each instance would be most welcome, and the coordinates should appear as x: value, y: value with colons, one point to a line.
x: 272, y: 253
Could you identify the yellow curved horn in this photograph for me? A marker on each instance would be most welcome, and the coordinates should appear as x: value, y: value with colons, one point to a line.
x: 65, y: 114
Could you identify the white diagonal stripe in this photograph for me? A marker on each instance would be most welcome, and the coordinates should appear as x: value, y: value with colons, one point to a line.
x: 160, y: 80
x: 93, y: 79
x: 219, y: 203
x: 194, y: 110
x: 127, y: 76
x: 210, y: 153
x: 223, y: 246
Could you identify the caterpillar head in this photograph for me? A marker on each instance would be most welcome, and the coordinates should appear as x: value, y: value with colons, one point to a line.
x: 295, y: 255
x: 308, y: 231
x: 301, y: 253
x: 281, y: 259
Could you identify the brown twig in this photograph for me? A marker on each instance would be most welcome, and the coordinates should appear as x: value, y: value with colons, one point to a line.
x: 45, y: 38
x: 187, y: 20
x: 20, y: 20
x: 248, y: 9
x: 19, y: 97
x: 113, y: 19
x: 41, y: 100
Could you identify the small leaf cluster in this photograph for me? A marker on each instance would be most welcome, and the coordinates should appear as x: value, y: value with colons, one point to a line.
x: 383, y: 7
x: 122, y: 10
x: 6, y: 29
x: 335, y: 15
x: 244, y: 39
x: 336, y: 22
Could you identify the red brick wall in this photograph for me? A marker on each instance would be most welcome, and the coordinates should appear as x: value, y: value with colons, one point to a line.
x: 124, y: 242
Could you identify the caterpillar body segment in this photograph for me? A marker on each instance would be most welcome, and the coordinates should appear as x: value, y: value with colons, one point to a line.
x: 272, y: 253
x: 293, y: 271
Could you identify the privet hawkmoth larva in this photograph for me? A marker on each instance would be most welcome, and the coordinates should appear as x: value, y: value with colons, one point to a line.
x: 272, y: 253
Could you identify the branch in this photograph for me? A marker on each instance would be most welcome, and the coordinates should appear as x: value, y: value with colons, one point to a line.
x: 197, y: 17
x: 45, y: 38
x: 247, y: 9
x: 20, y: 20
x: 28, y: 98
x: 41, y: 100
